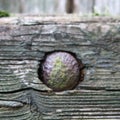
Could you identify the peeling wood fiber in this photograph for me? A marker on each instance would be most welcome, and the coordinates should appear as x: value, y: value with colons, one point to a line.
x: 24, y: 42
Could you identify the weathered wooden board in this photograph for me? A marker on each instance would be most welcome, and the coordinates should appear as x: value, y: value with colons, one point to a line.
x: 83, y: 7
x: 23, y: 43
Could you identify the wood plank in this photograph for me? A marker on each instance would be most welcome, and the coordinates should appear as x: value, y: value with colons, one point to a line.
x: 24, y: 42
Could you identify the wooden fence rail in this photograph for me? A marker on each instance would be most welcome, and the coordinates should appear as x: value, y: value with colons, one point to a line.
x: 23, y: 43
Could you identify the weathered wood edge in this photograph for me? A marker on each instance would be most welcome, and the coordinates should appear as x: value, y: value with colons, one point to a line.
x: 64, y: 19
x: 88, y: 102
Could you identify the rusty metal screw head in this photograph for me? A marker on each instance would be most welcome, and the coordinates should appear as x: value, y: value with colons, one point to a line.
x: 60, y: 71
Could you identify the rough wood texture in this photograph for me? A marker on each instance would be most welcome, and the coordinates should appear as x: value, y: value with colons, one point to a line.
x: 24, y: 41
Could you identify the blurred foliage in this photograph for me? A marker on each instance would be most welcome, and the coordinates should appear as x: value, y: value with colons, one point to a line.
x: 4, y: 14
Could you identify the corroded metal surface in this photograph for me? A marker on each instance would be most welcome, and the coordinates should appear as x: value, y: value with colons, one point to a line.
x: 60, y: 70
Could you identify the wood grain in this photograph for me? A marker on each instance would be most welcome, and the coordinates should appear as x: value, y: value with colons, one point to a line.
x: 24, y: 42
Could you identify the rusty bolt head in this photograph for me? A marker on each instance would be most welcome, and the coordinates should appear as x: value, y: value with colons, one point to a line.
x: 60, y: 71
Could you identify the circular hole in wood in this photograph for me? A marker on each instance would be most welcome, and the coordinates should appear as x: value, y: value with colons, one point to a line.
x: 60, y: 70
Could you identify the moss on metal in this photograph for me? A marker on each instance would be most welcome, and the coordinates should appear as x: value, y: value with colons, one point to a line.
x: 60, y: 71
x: 58, y: 76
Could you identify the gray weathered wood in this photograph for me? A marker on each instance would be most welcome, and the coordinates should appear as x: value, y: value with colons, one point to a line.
x: 25, y: 40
